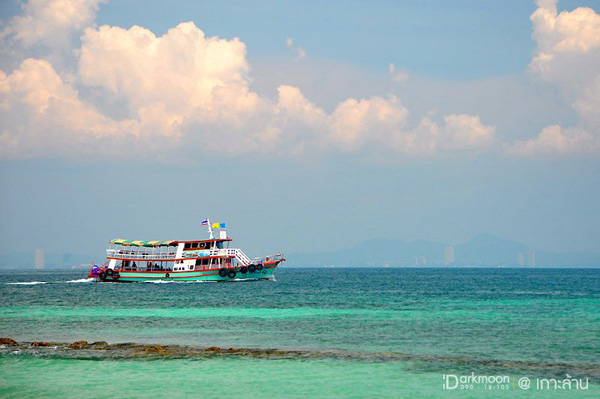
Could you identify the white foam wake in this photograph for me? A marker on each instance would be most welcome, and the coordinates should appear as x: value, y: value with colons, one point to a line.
x: 29, y: 283
x: 81, y: 280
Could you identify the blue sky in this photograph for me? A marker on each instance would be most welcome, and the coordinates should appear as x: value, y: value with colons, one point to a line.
x: 322, y: 125
x: 440, y: 39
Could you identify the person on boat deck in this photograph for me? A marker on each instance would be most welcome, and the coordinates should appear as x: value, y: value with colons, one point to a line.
x: 149, y: 266
x: 134, y: 266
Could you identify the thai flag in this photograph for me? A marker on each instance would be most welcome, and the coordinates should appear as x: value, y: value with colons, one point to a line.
x: 205, y: 222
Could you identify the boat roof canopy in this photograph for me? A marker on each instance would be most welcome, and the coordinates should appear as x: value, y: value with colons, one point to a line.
x: 132, y: 243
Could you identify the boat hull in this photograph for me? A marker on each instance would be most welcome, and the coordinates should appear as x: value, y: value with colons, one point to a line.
x: 195, y: 275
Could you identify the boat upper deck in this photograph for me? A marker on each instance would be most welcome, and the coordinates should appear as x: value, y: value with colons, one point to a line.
x: 168, y: 255
x: 170, y: 250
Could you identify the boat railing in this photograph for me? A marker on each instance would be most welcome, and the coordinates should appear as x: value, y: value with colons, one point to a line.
x: 270, y: 258
x: 241, y: 257
x: 215, y: 252
x: 142, y: 255
x: 236, y: 253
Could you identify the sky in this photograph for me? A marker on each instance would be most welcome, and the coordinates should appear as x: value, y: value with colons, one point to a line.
x: 305, y: 126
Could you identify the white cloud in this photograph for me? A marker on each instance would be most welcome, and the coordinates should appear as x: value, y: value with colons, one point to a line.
x: 186, y: 94
x: 182, y: 69
x: 567, y: 56
x: 467, y: 132
x: 358, y: 123
x: 554, y: 140
x: 43, y: 116
x: 459, y: 133
x: 51, y: 23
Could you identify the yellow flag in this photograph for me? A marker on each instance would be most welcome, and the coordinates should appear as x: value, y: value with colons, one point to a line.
x: 215, y: 225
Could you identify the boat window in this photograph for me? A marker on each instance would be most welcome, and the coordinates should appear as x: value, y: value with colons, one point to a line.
x: 194, y: 245
x: 202, y: 261
x: 220, y: 244
x: 187, y: 246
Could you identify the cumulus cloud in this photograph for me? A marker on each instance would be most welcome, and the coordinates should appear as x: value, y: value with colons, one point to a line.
x: 355, y: 123
x: 51, y: 23
x: 568, y: 56
x: 183, y: 71
x: 458, y: 133
x: 43, y: 116
x: 554, y: 140
x: 188, y: 94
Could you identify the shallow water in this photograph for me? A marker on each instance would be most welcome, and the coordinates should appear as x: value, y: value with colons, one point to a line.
x: 524, y: 322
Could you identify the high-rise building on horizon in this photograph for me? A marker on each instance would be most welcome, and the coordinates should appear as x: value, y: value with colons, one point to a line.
x: 521, y: 259
x: 39, y: 259
x: 449, y: 256
x: 531, y: 257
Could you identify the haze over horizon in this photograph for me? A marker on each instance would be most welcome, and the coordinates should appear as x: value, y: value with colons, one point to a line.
x: 304, y: 127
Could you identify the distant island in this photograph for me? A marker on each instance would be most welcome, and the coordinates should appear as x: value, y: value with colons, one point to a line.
x: 485, y: 250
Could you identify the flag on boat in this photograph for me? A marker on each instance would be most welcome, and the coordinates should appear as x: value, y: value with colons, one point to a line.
x: 204, y: 222
x: 222, y: 225
x: 215, y: 225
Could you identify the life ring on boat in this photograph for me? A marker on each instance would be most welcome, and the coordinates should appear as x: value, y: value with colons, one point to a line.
x: 259, y: 267
x: 102, y: 275
x: 223, y: 272
x: 110, y: 272
x: 251, y: 268
x: 167, y: 275
x: 231, y: 274
x: 244, y: 269
x: 116, y: 276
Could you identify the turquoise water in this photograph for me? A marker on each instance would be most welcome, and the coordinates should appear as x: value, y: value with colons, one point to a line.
x: 532, y: 323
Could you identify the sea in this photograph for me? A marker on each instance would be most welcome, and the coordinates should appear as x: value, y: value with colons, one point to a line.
x: 334, y: 332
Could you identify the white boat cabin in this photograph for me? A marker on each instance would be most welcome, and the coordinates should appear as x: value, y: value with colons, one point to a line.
x: 160, y: 256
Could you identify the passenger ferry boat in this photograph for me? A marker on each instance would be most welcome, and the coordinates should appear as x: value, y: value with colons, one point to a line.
x: 194, y: 260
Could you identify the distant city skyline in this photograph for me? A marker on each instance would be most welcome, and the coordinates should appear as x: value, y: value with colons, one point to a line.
x: 482, y: 251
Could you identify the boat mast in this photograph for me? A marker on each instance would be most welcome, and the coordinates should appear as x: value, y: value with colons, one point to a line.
x: 210, y: 231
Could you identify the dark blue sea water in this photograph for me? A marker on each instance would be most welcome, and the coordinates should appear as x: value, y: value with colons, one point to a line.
x: 534, y: 323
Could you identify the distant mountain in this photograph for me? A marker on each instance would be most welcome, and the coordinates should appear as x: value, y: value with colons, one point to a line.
x: 487, y: 249
x: 484, y: 250
x: 373, y: 253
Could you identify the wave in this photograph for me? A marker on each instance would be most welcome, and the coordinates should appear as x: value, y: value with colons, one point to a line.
x: 81, y: 280
x: 76, y: 281
x: 28, y: 283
